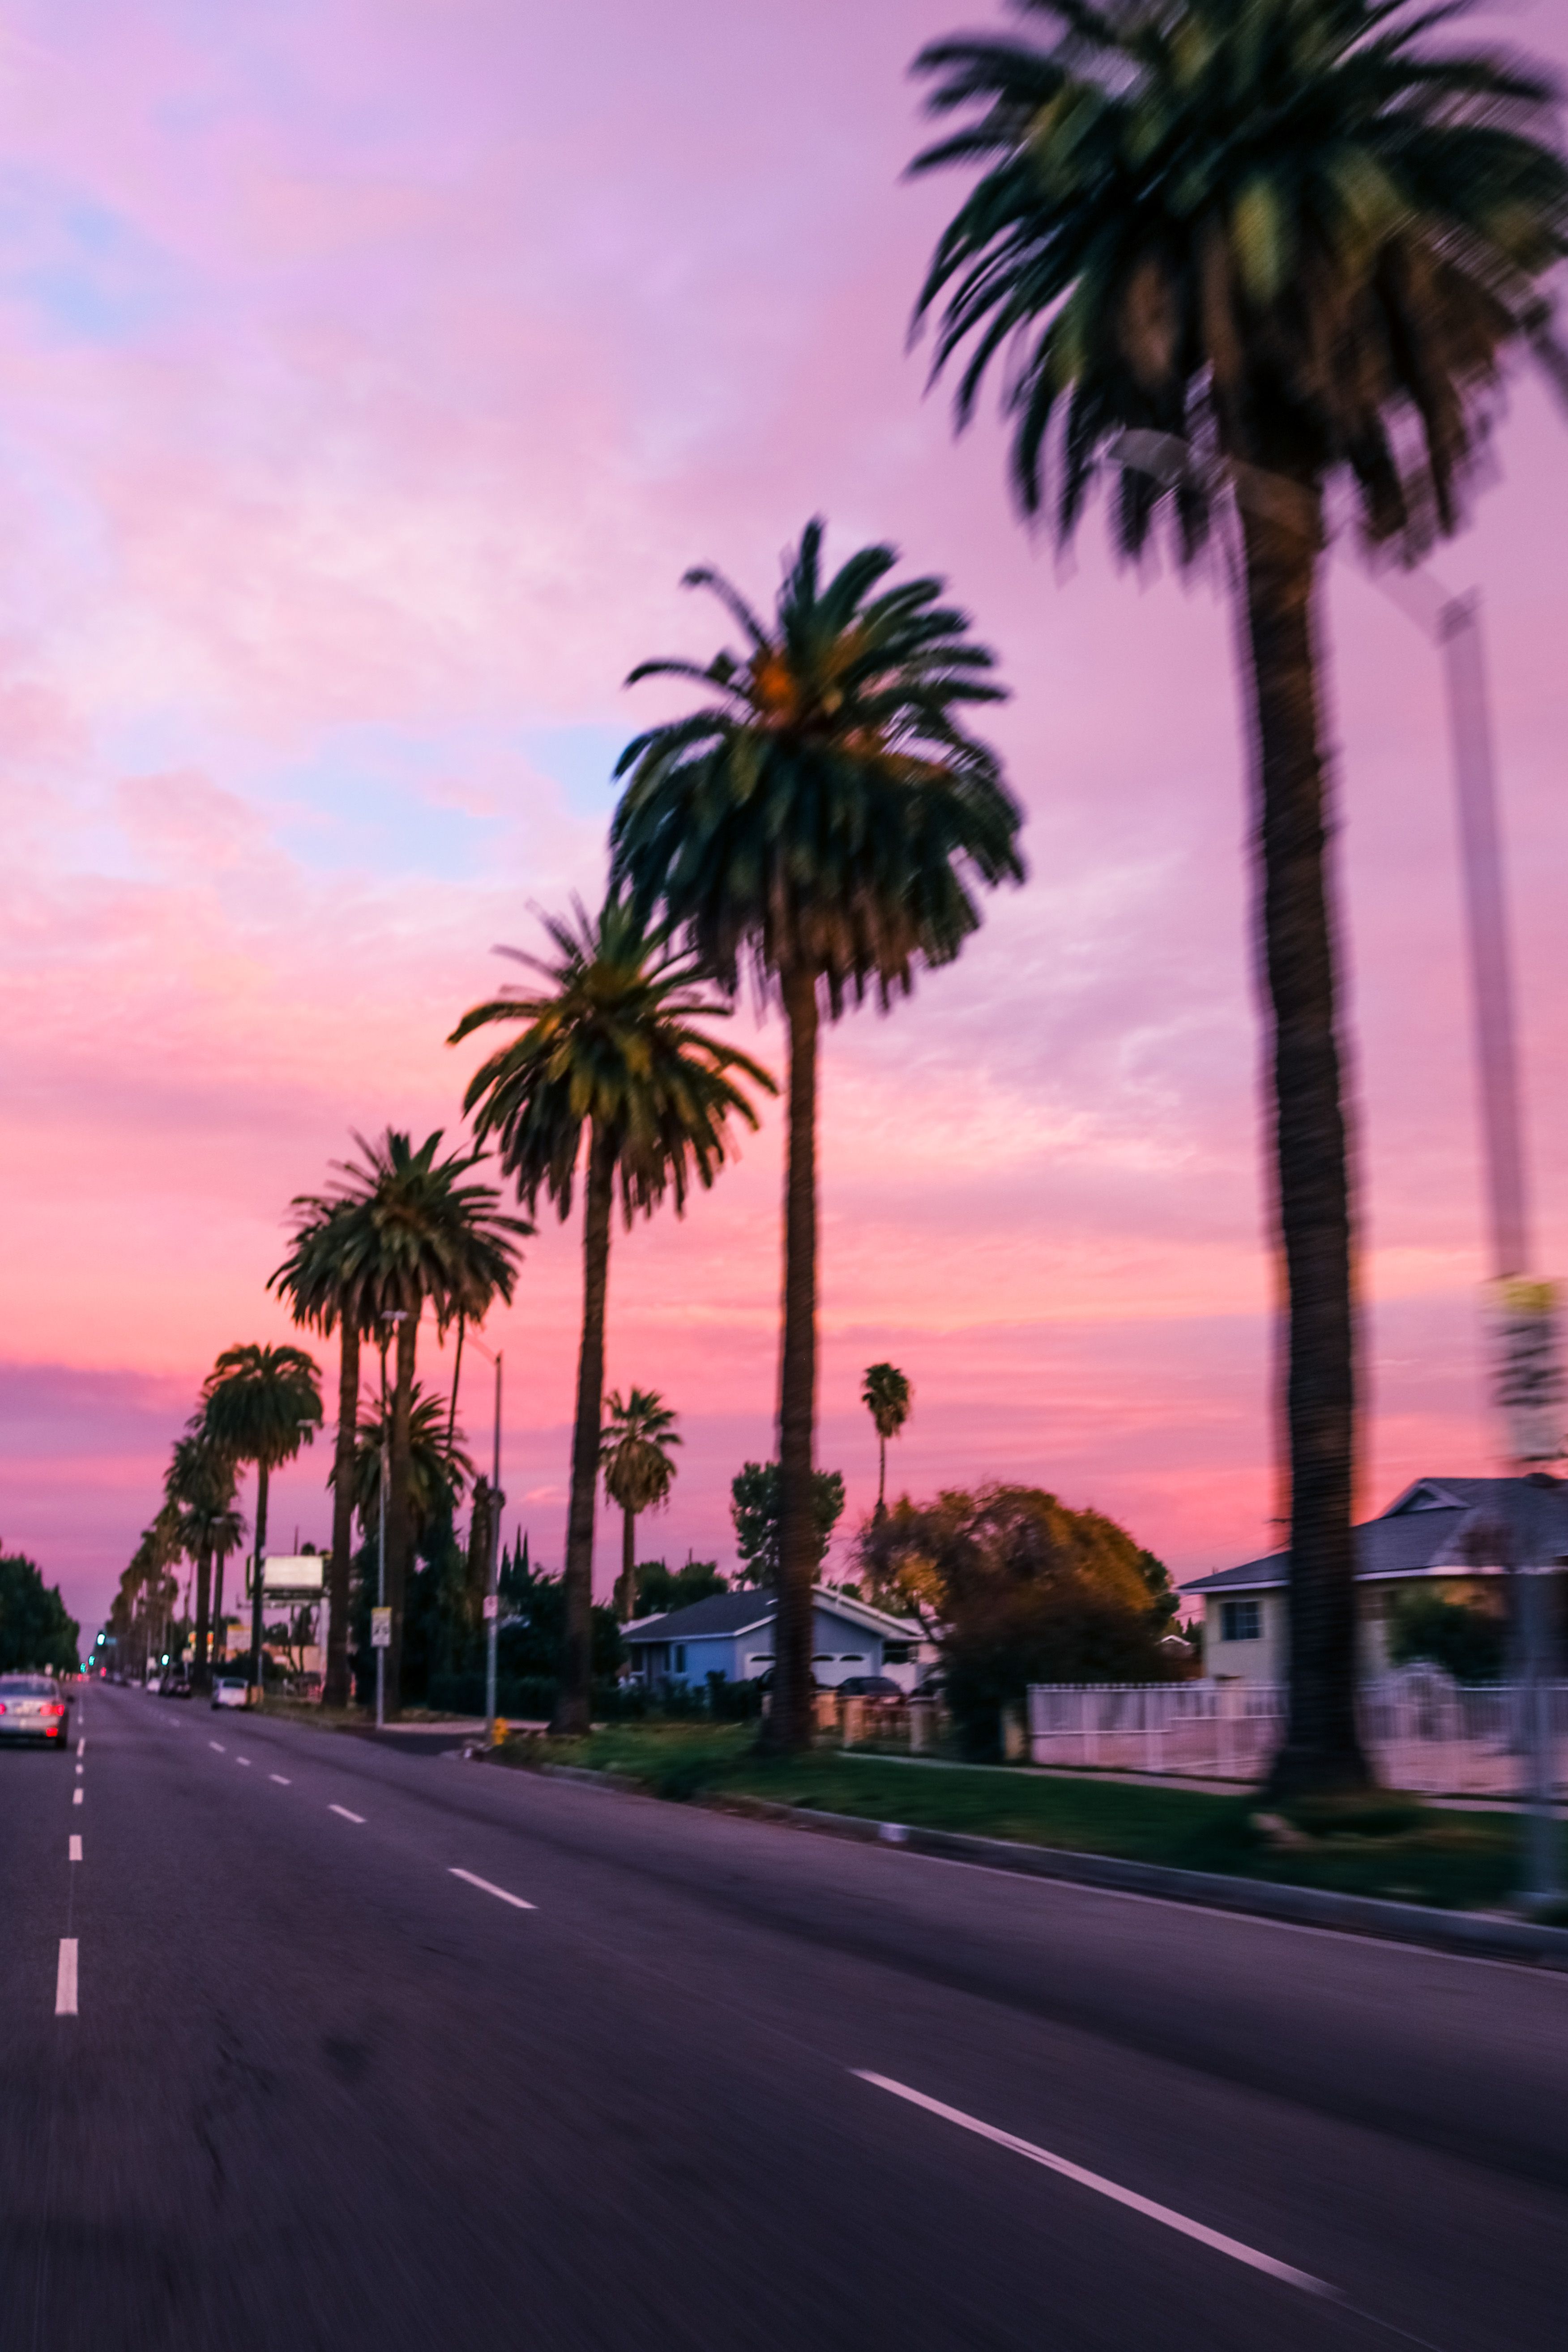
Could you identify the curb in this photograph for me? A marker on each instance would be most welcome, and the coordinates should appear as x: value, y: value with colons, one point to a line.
x: 1462, y: 1932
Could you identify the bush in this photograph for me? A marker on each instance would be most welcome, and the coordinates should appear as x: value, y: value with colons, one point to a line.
x: 1463, y: 1637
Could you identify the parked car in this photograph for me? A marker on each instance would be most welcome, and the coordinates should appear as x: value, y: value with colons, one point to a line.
x: 33, y: 1706
x: 882, y: 1690
x: 229, y: 1690
x: 176, y: 1683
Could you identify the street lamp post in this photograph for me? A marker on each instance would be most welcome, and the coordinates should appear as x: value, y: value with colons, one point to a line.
x: 492, y: 1567
x: 395, y: 1316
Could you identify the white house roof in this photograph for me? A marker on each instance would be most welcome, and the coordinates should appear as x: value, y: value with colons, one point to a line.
x: 1437, y: 1526
x: 729, y: 1615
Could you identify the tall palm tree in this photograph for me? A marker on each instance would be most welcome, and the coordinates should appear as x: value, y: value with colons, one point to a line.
x: 1293, y: 237
x: 633, y: 1448
x: 887, y: 1396
x: 439, y: 1468
x: 200, y: 1483
x: 260, y: 1405
x: 823, y: 818
x: 610, y: 1072
x: 400, y: 1230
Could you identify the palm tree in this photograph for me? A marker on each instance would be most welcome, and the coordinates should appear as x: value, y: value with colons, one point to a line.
x: 887, y: 1396
x: 260, y: 1405
x: 402, y: 1229
x: 200, y: 1483
x: 1267, y: 247
x: 609, y: 1071
x: 633, y: 1448
x: 823, y: 819
x: 439, y: 1468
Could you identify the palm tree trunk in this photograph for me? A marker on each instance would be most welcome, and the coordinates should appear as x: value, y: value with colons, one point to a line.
x: 790, y: 1719
x: 399, y: 1502
x: 1322, y: 1754
x: 335, y: 1686
x: 200, y: 1677
x: 572, y: 1706
x: 219, y: 1630
x: 263, y: 1473
x: 883, y: 1476
x: 456, y: 1377
x: 628, y: 1566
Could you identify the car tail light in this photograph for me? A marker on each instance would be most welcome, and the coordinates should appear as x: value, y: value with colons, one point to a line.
x: 56, y: 1709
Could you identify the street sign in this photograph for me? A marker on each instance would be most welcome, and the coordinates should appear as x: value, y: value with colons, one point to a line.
x: 493, y: 1604
x: 381, y: 1628
x: 1529, y: 1369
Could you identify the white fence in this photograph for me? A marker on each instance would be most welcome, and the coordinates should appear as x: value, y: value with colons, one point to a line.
x: 1424, y: 1731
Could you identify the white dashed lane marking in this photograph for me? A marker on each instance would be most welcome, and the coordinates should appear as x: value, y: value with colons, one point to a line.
x: 346, y: 1814
x: 242, y: 1759
x: 80, y: 1770
x: 280, y: 1779
x: 1146, y: 2206
x: 76, y: 1849
x: 76, y: 1795
x: 499, y: 1891
x: 81, y: 1748
x: 217, y: 1748
x: 65, y: 1979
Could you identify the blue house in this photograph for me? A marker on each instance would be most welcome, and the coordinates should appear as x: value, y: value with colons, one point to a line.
x: 732, y: 1634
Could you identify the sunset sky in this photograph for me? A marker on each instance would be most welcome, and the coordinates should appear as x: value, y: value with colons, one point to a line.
x: 369, y: 374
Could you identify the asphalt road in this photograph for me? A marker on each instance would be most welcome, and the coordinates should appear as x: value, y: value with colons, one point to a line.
x: 722, y: 2085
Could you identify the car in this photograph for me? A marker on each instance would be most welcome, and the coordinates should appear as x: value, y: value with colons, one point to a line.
x: 176, y: 1683
x: 230, y: 1690
x: 880, y: 1688
x: 33, y: 1706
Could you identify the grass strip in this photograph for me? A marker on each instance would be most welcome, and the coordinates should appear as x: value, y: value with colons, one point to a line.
x: 1451, y: 1861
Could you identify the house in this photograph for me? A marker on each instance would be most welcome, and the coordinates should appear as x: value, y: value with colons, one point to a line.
x: 1447, y: 1536
x: 732, y: 1634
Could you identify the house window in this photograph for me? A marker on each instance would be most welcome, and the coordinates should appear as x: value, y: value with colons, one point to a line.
x: 1240, y: 1621
x: 822, y: 1657
x: 680, y: 1657
x: 853, y: 1658
x: 897, y: 1654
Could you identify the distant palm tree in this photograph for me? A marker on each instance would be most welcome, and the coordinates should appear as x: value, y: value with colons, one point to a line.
x: 260, y: 1405
x: 400, y: 1231
x: 439, y: 1468
x: 887, y: 1395
x: 823, y: 819
x: 1270, y: 245
x: 200, y: 1483
x: 608, y: 1071
x: 634, y: 1447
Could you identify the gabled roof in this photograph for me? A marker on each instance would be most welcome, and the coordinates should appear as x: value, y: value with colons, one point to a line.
x: 747, y: 1611
x: 1437, y: 1526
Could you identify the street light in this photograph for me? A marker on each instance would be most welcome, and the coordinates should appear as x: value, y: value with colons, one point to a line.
x: 395, y: 1316
x: 492, y: 1570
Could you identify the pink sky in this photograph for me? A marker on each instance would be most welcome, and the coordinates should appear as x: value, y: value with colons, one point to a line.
x: 368, y: 377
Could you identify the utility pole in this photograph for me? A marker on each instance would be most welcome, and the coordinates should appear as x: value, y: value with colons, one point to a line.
x: 395, y: 1316
x: 492, y: 1567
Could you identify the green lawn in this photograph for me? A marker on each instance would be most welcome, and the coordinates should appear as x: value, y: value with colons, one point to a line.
x: 1464, y: 1861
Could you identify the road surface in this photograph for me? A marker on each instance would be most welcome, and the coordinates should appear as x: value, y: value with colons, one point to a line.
x: 323, y: 2044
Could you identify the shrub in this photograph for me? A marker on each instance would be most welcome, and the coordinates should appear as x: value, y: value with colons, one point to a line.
x: 1464, y: 1637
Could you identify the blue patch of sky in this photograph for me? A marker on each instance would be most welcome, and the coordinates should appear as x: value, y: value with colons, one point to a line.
x: 86, y: 273
x: 581, y: 760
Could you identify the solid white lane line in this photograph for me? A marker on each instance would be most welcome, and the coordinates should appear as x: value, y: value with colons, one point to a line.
x: 242, y: 1759
x: 499, y: 1891
x: 346, y: 1814
x: 217, y: 1748
x: 76, y: 1795
x: 65, y: 1979
x: 76, y: 1849
x: 283, y: 1783
x: 1215, y: 2238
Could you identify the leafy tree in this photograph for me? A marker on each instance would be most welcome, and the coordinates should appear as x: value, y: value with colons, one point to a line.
x: 200, y: 1483
x: 823, y: 817
x: 634, y: 1447
x: 36, y: 1633
x: 402, y: 1229
x: 438, y: 1470
x: 1025, y: 1590
x: 756, y: 1508
x: 534, y: 1608
x: 1466, y: 1639
x: 609, y: 1072
x: 260, y: 1405
x: 1258, y: 248
x: 887, y: 1396
x: 660, y: 1589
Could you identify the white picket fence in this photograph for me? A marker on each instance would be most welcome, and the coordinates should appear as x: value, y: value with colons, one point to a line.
x: 1424, y: 1730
